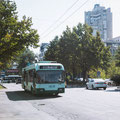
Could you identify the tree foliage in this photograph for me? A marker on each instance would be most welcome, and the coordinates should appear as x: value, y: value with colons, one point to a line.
x: 52, y: 51
x: 15, y: 35
x: 116, y: 79
x: 27, y: 57
x: 117, y: 57
x: 115, y: 68
x: 79, y: 51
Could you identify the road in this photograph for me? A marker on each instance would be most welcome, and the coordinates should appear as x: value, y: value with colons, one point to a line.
x: 75, y: 104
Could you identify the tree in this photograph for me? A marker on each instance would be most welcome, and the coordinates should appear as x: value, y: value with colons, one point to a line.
x: 117, y: 57
x: 26, y: 58
x: 63, y: 50
x: 15, y: 35
x: 115, y: 76
x: 92, y: 52
x: 52, y: 50
x: 67, y: 51
x: 79, y: 51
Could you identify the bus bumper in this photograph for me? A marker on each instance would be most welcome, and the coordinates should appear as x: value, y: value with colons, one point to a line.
x: 43, y: 91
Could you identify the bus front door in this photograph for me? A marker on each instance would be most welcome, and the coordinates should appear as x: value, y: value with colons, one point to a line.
x: 34, y: 79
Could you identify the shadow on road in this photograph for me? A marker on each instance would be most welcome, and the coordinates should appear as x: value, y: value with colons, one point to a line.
x: 74, y: 86
x: 21, y: 96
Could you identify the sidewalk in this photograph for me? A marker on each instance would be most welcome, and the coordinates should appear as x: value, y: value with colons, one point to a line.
x: 18, y: 109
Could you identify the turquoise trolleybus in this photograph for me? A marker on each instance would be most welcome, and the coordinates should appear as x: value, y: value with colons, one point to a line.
x: 44, y: 77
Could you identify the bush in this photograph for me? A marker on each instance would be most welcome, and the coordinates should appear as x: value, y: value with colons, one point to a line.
x: 116, y: 79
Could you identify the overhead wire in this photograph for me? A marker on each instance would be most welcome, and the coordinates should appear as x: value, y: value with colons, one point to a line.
x: 65, y: 19
x: 60, y: 17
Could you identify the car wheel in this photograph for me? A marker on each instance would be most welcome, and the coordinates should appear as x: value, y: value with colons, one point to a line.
x: 86, y: 87
x: 104, y: 88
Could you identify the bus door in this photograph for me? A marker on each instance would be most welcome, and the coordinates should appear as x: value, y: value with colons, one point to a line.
x: 34, y: 79
x: 26, y: 77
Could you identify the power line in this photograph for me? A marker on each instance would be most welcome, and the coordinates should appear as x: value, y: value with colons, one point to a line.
x: 60, y: 16
x: 65, y: 19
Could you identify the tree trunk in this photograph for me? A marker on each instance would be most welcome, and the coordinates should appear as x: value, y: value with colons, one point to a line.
x: 73, y: 71
x: 84, y: 76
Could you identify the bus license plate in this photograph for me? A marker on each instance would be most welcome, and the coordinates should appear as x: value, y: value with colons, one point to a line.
x: 52, y: 86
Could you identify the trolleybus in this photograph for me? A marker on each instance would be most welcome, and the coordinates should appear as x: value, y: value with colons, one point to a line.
x: 44, y: 77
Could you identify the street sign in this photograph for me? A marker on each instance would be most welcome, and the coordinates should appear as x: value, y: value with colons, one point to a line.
x: 98, y: 73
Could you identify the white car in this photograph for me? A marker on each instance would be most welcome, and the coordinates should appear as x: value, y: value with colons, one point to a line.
x: 109, y: 82
x: 96, y: 84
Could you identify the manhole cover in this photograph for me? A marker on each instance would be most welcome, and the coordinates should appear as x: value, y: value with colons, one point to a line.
x: 41, y: 104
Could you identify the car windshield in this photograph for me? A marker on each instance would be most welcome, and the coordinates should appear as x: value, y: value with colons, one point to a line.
x: 49, y: 76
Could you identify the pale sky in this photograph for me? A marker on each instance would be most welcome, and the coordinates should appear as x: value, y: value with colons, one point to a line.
x: 46, y: 15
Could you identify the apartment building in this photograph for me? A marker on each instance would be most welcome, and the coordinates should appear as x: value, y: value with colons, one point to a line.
x: 100, y: 19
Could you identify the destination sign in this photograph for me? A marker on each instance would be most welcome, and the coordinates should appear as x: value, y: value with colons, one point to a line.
x: 50, y: 67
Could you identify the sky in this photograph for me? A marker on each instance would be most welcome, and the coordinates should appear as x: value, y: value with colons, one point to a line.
x: 50, y: 17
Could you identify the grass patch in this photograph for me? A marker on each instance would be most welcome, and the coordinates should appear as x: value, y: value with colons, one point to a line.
x: 1, y: 87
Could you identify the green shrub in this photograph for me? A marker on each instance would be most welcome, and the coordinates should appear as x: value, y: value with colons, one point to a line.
x: 1, y: 87
x: 116, y: 79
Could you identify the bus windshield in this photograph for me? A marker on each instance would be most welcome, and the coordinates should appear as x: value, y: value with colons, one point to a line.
x: 49, y: 76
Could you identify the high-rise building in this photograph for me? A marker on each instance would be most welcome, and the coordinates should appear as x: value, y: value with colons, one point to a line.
x: 100, y: 19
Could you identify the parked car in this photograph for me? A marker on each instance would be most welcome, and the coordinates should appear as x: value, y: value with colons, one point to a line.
x: 79, y: 79
x: 96, y: 84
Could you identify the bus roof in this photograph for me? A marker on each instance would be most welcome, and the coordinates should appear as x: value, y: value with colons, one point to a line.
x: 47, y: 62
x: 36, y: 66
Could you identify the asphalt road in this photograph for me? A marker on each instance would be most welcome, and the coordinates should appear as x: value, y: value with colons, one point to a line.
x: 75, y: 104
